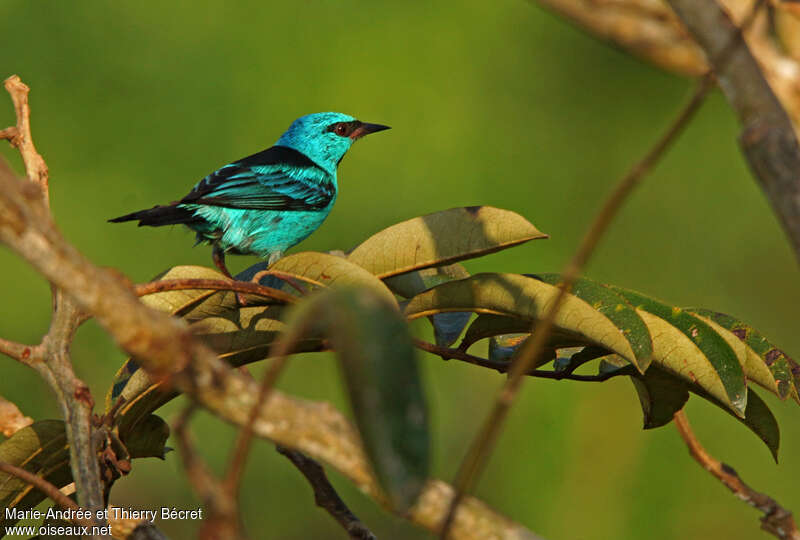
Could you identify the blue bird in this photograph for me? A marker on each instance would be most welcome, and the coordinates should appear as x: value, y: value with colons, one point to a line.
x: 268, y: 202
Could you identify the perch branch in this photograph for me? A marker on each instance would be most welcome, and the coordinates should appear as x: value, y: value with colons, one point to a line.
x: 776, y: 520
x: 246, y: 287
x: 325, y: 495
x: 477, y: 455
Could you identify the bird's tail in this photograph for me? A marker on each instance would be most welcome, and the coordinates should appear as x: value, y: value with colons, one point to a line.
x: 159, y: 215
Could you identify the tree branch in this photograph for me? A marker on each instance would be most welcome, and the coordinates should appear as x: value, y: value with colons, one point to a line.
x: 20, y: 136
x: 447, y: 353
x: 325, y: 496
x: 776, y: 520
x: 768, y: 137
x: 246, y: 287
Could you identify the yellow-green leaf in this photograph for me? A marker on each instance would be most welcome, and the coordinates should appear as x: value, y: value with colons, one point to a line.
x: 524, y: 298
x: 442, y: 238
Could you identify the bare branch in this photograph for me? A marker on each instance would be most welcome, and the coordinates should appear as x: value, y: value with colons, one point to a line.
x: 325, y: 496
x: 447, y: 353
x: 776, y: 519
x: 768, y: 137
x: 651, y: 29
x: 20, y: 136
x: 26, y: 354
x: 223, y: 515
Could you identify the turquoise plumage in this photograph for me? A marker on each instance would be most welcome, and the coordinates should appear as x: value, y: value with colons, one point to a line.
x: 268, y: 202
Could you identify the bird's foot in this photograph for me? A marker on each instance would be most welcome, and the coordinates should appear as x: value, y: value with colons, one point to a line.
x: 218, y: 256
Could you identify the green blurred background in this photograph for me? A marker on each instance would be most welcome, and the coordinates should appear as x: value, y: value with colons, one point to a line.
x: 495, y: 103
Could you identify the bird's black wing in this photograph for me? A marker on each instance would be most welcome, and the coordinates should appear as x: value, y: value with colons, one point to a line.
x: 278, y: 178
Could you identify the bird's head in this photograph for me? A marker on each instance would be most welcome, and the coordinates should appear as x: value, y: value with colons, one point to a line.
x: 326, y: 137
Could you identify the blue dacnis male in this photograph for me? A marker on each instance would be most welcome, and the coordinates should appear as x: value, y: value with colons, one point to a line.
x: 268, y: 202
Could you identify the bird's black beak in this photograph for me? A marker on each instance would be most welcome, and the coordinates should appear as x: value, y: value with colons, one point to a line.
x: 365, y: 129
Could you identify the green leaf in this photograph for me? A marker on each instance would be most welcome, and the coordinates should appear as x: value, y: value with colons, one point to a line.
x: 691, y: 349
x: 442, y: 238
x: 661, y: 395
x: 40, y: 449
x: 147, y: 438
x: 379, y: 365
x: 332, y: 271
x: 783, y: 371
x: 526, y: 299
x: 618, y: 310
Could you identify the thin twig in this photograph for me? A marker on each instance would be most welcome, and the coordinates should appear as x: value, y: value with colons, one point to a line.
x: 473, y: 463
x: 325, y: 495
x: 26, y: 354
x: 46, y: 488
x: 776, y: 519
x: 447, y: 353
x: 223, y: 516
x: 20, y: 136
x: 280, y: 354
x: 247, y: 287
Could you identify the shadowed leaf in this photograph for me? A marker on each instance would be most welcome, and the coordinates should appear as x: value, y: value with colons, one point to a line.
x: 526, y: 299
x: 379, y: 366
x: 442, y: 238
x: 147, y: 438
x: 332, y: 271
x: 40, y: 449
x: 661, y: 395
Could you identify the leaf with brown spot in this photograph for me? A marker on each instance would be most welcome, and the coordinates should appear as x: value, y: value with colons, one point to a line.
x: 782, y: 368
x: 379, y: 364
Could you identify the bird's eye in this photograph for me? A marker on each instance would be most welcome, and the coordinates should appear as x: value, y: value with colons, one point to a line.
x: 340, y: 130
